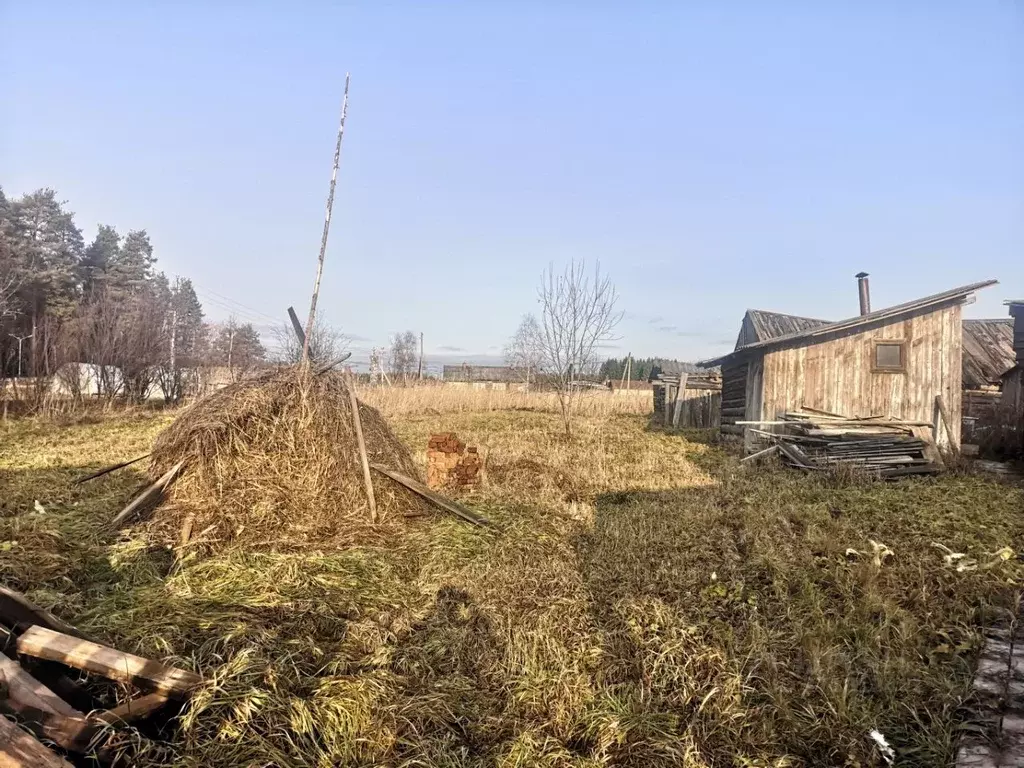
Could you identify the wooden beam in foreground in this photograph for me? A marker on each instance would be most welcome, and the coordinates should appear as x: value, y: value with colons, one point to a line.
x: 19, y: 749
x: 434, y: 498
x: 19, y: 612
x: 132, y: 710
x: 42, y: 643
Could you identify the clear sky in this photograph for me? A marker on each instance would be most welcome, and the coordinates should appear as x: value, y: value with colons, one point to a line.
x: 712, y: 156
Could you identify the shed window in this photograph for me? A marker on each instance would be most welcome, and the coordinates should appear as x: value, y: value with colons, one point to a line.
x: 890, y: 356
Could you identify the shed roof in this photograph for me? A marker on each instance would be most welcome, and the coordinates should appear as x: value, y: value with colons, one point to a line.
x: 988, y: 351
x: 761, y: 325
x: 890, y: 313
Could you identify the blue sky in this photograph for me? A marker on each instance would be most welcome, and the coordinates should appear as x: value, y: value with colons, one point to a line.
x: 712, y: 156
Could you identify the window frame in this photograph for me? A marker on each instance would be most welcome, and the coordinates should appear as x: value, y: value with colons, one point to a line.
x: 901, y: 343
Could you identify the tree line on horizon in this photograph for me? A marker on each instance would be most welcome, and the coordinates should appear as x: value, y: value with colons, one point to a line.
x: 103, y: 303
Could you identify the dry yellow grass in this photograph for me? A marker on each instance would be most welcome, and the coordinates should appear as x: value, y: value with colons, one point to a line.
x: 436, y: 398
x: 647, y: 602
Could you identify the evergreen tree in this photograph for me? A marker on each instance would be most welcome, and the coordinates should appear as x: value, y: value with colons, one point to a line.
x: 101, y: 253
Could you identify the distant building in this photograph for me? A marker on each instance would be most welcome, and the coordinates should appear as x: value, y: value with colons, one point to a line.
x: 483, y: 376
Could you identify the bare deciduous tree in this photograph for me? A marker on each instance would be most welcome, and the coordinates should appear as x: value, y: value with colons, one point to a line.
x: 578, y: 316
x: 524, y: 352
x: 326, y: 343
x: 403, y: 354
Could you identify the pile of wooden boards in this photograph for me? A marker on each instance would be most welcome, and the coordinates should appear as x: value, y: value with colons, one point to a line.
x: 38, y: 653
x: 883, y: 446
x: 450, y: 464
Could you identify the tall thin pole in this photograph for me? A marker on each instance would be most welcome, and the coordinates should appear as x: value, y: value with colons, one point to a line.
x: 327, y: 226
x: 419, y: 368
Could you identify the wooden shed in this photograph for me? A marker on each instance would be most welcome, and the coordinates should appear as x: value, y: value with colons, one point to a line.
x: 892, y: 362
x: 987, y: 354
x: 1012, y: 381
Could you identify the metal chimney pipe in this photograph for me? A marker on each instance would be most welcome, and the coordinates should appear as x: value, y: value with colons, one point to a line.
x: 865, y: 292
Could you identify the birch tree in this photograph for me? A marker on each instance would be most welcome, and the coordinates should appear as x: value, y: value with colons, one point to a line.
x: 578, y: 316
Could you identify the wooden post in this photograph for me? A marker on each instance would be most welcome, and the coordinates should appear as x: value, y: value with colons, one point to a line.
x: 680, y: 399
x: 419, y: 368
x: 327, y: 226
x: 940, y: 404
x: 667, y: 413
x: 357, y: 424
x: 297, y: 326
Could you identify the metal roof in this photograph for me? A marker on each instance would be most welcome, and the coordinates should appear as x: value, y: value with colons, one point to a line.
x: 988, y: 351
x: 899, y: 310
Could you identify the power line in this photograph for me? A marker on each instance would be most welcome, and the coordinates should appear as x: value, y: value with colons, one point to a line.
x: 222, y: 297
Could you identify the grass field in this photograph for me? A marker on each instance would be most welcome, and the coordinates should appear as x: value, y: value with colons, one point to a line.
x: 647, y: 602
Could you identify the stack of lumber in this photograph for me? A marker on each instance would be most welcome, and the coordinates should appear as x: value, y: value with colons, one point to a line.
x: 43, y: 702
x: 450, y: 464
x: 881, y: 445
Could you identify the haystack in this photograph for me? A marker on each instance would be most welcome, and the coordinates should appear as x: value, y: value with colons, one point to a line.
x: 274, y: 460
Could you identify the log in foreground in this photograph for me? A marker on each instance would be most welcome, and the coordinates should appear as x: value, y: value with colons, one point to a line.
x: 19, y: 612
x: 43, y: 643
x: 19, y: 749
x: 435, y: 498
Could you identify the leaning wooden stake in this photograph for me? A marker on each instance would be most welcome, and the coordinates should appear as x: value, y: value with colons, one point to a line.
x: 357, y: 424
x: 148, y: 492
x: 327, y: 226
x: 108, y: 470
x: 446, y: 504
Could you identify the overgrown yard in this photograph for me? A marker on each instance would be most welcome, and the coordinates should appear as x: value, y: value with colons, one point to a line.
x: 648, y: 601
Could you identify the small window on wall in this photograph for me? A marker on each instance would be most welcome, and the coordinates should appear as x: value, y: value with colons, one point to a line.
x: 890, y: 357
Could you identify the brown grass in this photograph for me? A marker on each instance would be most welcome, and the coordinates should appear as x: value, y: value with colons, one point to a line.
x: 648, y: 602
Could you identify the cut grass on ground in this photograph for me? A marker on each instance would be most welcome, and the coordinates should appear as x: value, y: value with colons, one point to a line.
x: 648, y: 602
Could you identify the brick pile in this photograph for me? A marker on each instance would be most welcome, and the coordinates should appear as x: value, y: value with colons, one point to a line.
x: 451, y: 464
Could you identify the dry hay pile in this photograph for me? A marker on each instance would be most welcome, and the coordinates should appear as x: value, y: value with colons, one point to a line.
x: 275, y: 460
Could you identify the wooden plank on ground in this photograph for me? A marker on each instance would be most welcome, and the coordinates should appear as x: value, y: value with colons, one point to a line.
x: 42, y: 643
x: 795, y: 455
x: 24, y: 692
x: 760, y: 454
x: 20, y: 749
x: 132, y: 710
x: 19, y: 612
x: 435, y: 498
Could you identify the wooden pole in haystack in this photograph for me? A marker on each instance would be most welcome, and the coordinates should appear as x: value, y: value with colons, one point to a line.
x: 357, y: 425
x: 327, y: 226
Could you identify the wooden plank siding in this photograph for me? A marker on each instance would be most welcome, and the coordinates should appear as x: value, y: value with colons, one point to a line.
x: 701, y: 407
x: 734, y: 396
x: 834, y: 373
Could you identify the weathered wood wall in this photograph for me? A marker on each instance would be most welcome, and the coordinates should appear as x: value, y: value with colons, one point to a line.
x: 836, y: 374
x: 701, y: 407
x: 1013, y: 390
x: 734, y: 395
x: 1017, y: 313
